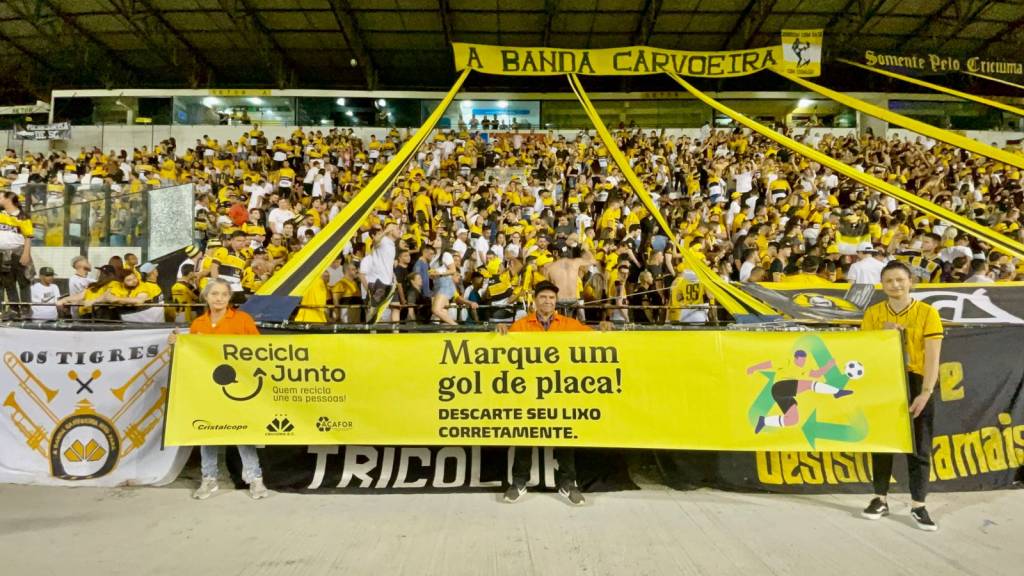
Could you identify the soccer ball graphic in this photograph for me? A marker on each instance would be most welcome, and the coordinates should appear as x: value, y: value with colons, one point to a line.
x: 854, y: 370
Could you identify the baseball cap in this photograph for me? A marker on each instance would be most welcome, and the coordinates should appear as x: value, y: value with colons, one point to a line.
x: 147, y: 268
x: 46, y: 271
x: 867, y: 248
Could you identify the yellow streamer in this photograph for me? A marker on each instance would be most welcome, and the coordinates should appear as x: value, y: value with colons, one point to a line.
x: 936, y: 87
x: 995, y: 239
x: 733, y: 299
x: 946, y: 136
x: 310, y: 262
x: 994, y: 79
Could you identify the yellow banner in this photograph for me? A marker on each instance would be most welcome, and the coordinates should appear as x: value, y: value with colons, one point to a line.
x: 969, y: 144
x: 938, y: 88
x: 801, y: 52
x: 937, y: 63
x: 680, y: 390
x: 239, y: 92
x: 999, y: 242
x: 733, y: 299
x: 625, y: 61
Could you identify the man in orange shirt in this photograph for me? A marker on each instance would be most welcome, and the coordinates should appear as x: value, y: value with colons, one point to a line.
x: 546, y: 319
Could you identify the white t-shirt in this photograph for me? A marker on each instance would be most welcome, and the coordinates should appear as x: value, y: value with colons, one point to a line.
x: 867, y: 271
x: 44, y: 295
x: 77, y: 284
x: 277, y: 218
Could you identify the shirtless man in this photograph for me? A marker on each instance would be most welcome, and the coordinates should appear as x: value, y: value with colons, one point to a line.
x: 565, y: 273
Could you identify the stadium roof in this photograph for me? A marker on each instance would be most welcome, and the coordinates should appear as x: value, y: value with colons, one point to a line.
x: 404, y: 44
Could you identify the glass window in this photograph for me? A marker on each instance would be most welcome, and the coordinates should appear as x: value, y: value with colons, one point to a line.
x: 235, y: 110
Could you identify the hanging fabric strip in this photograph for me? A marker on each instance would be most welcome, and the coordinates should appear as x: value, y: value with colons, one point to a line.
x: 732, y: 298
x: 996, y: 240
x: 952, y: 138
x: 936, y: 87
x: 280, y: 295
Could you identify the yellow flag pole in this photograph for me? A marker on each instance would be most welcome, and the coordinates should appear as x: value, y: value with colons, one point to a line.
x: 996, y: 240
x: 946, y: 136
x: 938, y: 88
x: 733, y: 299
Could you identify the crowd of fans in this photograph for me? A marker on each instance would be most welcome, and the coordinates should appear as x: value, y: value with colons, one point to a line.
x: 478, y: 218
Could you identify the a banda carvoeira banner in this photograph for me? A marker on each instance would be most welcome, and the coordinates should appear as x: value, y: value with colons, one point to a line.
x: 957, y: 303
x: 707, y: 390
x: 978, y: 441
x: 84, y: 408
x: 799, y: 53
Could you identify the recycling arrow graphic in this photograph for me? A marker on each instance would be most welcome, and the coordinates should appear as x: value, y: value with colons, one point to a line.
x: 815, y: 429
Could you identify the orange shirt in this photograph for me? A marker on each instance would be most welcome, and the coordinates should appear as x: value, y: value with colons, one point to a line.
x: 559, y: 323
x: 233, y: 322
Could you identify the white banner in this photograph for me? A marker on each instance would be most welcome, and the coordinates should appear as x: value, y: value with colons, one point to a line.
x: 84, y: 408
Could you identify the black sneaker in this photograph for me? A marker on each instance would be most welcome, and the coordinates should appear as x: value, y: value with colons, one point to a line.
x: 573, y: 495
x: 923, y: 520
x: 514, y: 493
x: 876, y: 509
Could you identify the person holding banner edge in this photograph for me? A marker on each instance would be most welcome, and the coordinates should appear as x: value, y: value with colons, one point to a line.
x: 221, y: 318
x: 546, y: 319
x: 921, y: 329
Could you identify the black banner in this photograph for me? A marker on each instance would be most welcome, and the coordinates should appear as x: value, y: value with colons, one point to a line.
x: 58, y: 131
x: 997, y: 304
x: 424, y: 469
x: 978, y: 442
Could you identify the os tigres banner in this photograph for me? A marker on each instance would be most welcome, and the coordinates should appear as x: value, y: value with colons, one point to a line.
x: 703, y: 390
x: 84, y: 408
x: 802, y: 56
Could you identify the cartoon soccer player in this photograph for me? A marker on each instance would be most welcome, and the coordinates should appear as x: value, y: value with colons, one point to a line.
x: 790, y: 380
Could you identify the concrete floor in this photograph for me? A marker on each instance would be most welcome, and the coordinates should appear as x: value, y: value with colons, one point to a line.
x: 153, y: 531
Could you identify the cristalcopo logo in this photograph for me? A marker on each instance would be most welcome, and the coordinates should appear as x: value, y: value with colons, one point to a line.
x: 207, y: 426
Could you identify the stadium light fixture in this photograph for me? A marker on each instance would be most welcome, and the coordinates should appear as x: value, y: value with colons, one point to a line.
x: 256, y: 101
x: 382, y: 102
x: 502, y: 103
x: 340, y: 101
x: 348, y: 113
x: 211, y: 101
x: 805, y: 102
x: 324, y: 121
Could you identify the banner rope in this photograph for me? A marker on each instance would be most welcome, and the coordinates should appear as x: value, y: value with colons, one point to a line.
x: 946, y: 136
x: 998, y: 241
x: 938, y: 88
x: 733, y: 299
x: 289, y: 284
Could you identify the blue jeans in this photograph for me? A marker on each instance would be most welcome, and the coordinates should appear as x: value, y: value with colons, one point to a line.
x: 209, y: 457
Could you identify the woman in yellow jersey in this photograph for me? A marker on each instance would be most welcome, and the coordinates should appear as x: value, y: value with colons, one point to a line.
x: 921, y: 330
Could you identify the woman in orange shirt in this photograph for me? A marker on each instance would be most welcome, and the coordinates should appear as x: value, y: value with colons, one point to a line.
x: 221, y: 318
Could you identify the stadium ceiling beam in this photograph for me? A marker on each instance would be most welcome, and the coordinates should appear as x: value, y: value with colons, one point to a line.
x: 248, y: 23
x: 925, y: 23
x: 109, y: 68
x: 353, y: 35
x: 646, y: 26
x: 1005, y: 33
x: 761, y: 10
x: 550, y: 11
x: 37, y: 68
x: 70, y: 20
x: 446, y: 21
x: 160, y: 36
x: 966, y: 19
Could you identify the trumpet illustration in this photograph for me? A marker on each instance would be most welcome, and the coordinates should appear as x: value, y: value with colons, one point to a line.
x: 134, y: 433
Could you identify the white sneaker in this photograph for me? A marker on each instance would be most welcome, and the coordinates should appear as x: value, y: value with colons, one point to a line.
x: 257, y: 490
x: 206, y: 489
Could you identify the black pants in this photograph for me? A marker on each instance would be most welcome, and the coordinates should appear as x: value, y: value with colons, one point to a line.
x: 918, y: 462
x: 523, y: 462
x: 16, y: 285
